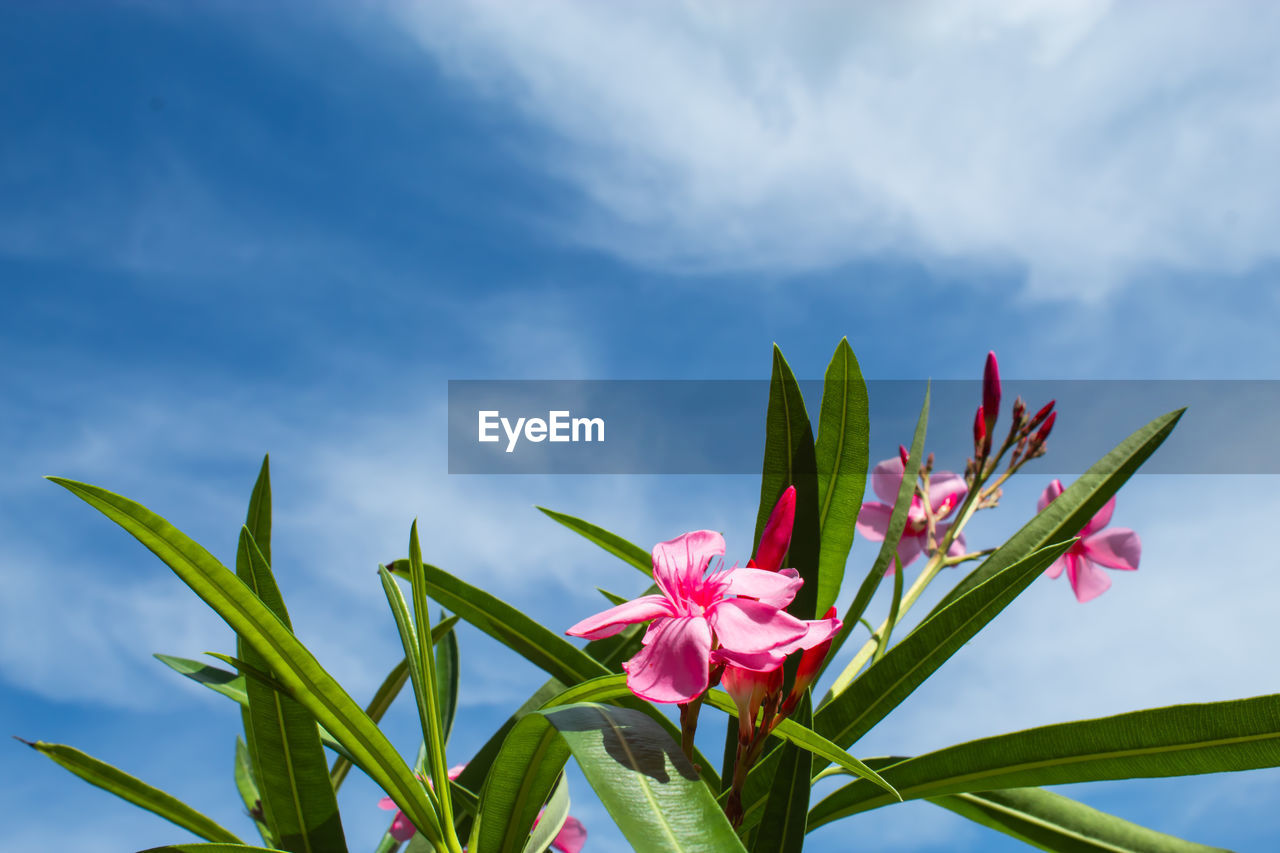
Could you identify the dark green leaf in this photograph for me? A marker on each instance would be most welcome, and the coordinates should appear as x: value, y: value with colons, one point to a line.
x: 782, y: 827
x: 447, y: 674
x: 895, y: 676
x: 843, y: 452
x: 247, y: 785
x: 378, y: 705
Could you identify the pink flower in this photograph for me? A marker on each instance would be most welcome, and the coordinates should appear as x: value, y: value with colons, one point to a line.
x: 694, y: 615
x: 401, y: 828
x: 1117, y: 548
x: 946, y: 491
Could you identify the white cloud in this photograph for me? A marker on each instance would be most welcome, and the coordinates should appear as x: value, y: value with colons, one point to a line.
x: 1082, y: 141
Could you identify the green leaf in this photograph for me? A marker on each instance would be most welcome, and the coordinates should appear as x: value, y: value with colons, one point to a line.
x: 644, y: 781
x: 134, y: 790
x: 843, y: 454
x: 895, y: 676
x: 782, y: 827
x: 1053, y: 822
x: 289, y: 660
x: 1180, y: 740
x: 258, y: 520
x: 789, y: 461
x: 247, y: 785
x: 552, y: 820
x: 882, y: 645
x: 293, y: 775
x: 626, y: 551
x: 888, y: 548
x: 218, y: 680
x: 447, y: 675
x: 429, y: 699
x: 540, y: 646
x: 1068, y: 514
x: 417, y: 677
x: 523, y: 775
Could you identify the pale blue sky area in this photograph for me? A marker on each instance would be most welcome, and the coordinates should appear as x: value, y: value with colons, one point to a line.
x: 226, y: 231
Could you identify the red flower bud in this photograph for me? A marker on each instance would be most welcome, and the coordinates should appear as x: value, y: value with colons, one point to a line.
x: 1045, y: 430
x: 1041, y: 415
x: 979, y: 430
x: 776, y: 538
x: 991, y: 390
x: 903, y: 455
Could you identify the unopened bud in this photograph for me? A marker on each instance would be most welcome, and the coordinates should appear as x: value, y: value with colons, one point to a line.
x: 991, y: 390
x: 1019, y: 412
x: 903, y: 455
x: 979, y: 430
x: 1041, y: 415
x: 1045, y: 429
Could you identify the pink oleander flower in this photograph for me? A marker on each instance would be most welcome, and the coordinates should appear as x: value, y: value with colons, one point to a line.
x: 946, y: 492
x: 1117, y: 548
x: 571, y: 837
x: 694, y: 615
x: 401, y: 827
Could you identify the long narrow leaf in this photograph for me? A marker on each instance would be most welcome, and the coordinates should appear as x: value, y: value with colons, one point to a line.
x: 378, y: 705
x: 291, y: 662
x: 888, y: 548
x: 540, y: 646
x: 134, y: 790
x: 1180, y: 740
x: 247, y: 786
x: 552, y: 820
x: 628, y: 552
x: 782, y: 828
x: 209, y: 848
x: 292, y: 772
x: 524, y: 773
x: 447, y: 679
x: 905, y: 667
x: 1053, y: 822
x: 842, y: 451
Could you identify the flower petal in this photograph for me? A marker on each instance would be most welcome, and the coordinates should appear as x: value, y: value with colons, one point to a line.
x: 1100, y: 519
x: 402, y: 829
x: 571, y: 837
x: 1057, y: 566
x: 387, y: 804
x: 674, y: 666
x: 776, y: 538
x: 1049, y: 495
x: 772, y: 588
x: 909, y: 547
x: 873, y: 521
x: 946, y: 491
x: 611, y: 621
x: 755, y: 661
x: 1118, y: 548
x: 750, y: 626
x: 886, y: 478
x: 1087, y: 580
x: 680, y: 562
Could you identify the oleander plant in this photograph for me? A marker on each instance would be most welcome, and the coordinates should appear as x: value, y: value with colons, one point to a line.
x: 738, y: 645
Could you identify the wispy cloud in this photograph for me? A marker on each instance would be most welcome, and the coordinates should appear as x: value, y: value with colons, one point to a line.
x: 1082, y: 142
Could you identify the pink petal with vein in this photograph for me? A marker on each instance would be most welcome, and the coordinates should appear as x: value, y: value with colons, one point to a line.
x: 674, y: 666
x: 772, y: 588
x: 754, y: 626
x: 611, y: 621
x: 873, y: 521
x: 1087, y: 580
x: 886, y: 479
x: 1100, y: 519
x: 680, y: 562
x: 1117, y: 548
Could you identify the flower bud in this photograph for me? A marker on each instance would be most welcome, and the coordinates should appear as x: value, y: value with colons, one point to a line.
x: 1041, y: 415
x: 776, y: 537
x: 903, y: 455
x: 991, y: 390
x: 979, y: 430
x: 1045, y: 429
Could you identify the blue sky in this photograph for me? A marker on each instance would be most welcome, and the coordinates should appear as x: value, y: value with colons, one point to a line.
x: 226, y: 231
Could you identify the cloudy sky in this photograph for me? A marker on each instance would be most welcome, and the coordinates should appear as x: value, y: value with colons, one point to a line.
x: 226, y: 231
